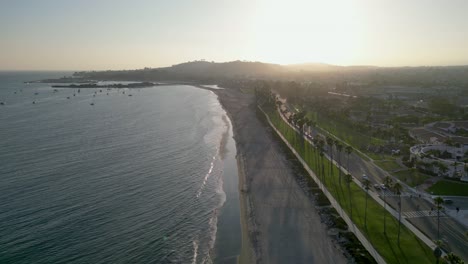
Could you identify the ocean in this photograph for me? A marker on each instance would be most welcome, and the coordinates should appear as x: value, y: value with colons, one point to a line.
x: 98, y: 176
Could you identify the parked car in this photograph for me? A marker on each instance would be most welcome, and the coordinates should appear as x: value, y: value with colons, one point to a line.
x: 448, y: 201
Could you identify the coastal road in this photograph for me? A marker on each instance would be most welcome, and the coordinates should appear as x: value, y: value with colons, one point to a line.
x: 285, y: 226
x: 414, y: 208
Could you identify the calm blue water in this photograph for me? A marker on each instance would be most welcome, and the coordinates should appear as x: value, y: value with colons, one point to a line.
x: 140, y: 179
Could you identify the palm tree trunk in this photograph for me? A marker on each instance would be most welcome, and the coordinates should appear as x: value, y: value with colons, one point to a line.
x: 339, y: 166
x: 365, y: 211
x: 438, y: 221
x: 350, y: 201
x: 384, y: 214
x: 399, y: 218
x: 347, y: 164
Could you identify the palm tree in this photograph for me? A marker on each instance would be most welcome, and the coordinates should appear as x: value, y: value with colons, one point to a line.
x: 438, y: 250
x: 348, y: 180
x: 306, y: 122
x: 339, y: 148
x: 387, y: 183
x: 453, y: 259
x: 438, y: 201
x: 315, y: 143
x: 330, y: 143
x: 397, y: 187
x: 348, y: 151
x: 455, y: 169
x: 366, y: 183
x: 321, y: 153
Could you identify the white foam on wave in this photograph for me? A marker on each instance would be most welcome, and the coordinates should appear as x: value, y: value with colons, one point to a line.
x: 216, y: 169
x: 195, y: 251
x: 199, y: 192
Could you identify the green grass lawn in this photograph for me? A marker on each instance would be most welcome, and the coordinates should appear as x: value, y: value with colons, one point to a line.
x: 388, y: 165
x: 411, y: 177
x: 348, y: 135
x: 247, y: 90
x: 410, y: 250
x: 446, y: 187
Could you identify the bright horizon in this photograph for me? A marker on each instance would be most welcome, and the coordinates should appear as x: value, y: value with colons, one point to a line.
x: 85, y: 35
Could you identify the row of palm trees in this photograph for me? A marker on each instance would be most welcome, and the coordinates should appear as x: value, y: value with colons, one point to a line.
x: 300, y: 120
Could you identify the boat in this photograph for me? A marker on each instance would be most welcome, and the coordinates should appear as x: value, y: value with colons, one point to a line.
x: 91, y: 104
x: 68, y: 97
x: 2, y: 103
x: 34, y: 102
x: 130, y: 95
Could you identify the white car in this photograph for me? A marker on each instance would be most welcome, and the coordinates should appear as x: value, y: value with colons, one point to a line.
x: 365, y: 177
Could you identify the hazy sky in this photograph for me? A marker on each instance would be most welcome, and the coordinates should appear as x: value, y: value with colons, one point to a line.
x: 120, y: 34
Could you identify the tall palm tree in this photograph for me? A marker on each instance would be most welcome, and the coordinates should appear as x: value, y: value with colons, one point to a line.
x: 348, y: 180
x: 330, y: 143
x: 315, y: 142
x: 438, y: 202
x: 397, y: 188
x: 438, y: 250
x: 366, y: 183
x: 339, y: 148
x: 388, y: 184
x: 453, y: 259
x: 348, y: 151
x: 321, y: 153
x: 306, y: 123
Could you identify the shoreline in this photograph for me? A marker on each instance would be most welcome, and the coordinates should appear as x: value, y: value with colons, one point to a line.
x: 281, y: 221
x: 247, y: 252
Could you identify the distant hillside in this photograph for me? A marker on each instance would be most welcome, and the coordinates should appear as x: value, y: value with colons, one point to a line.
x: 314, y: 67
x: 204, y: 71
x: 225, y: 69
x: 193, y: 71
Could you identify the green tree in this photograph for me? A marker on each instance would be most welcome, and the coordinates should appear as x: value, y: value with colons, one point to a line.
x: 330, y: 143
x: 339, y: 149
x: 438, y: 201
x: 366, y: 184
x: 388, y: 184
x: 438, y: 250
x: 453, y: 259
x: 348, y: 151
x: 397, y: 188
x: 348, y: 180
x: 320, y: 164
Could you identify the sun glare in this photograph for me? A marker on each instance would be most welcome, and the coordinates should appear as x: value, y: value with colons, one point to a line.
x: 305, y: 30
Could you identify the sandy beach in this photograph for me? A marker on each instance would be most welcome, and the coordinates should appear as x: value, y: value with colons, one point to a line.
x: 280, y: 223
